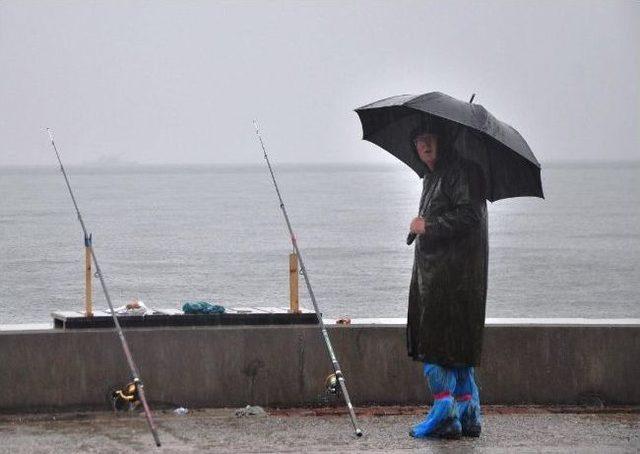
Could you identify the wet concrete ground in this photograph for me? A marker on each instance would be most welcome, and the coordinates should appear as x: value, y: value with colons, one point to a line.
x: 506, y: 429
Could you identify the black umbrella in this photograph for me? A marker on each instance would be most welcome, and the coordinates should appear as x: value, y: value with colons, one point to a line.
x: 509, y: 166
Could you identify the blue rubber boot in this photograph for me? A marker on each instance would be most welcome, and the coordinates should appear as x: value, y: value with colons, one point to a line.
x: 442, y: 420
x: 468, y: 402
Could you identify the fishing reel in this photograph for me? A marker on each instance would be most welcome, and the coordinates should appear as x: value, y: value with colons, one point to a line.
x: 125, y: 398
x: 332, y: 384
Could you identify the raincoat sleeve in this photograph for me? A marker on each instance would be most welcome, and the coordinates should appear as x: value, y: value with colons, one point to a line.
x: 463, y: 215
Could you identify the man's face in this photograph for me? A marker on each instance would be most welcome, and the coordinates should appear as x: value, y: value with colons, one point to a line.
x: 427, y: 148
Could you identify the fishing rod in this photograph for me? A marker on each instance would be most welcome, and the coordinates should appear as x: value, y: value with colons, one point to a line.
x: 336, y: 366
x: 125, y: 346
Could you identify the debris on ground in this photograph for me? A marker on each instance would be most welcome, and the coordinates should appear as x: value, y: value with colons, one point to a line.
x: 250, y: 410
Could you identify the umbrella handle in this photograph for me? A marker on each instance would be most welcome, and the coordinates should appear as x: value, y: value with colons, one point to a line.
x: 410, y: 238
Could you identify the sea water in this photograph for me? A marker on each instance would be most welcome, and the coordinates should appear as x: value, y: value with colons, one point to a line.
x: 169, y: 234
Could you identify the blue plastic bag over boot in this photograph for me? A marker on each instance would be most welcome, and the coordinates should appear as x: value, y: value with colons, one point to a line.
x: 442, y: 420
x: 468, y: 402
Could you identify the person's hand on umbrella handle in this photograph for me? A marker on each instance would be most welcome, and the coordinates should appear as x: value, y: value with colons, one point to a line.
x: 418, y: 226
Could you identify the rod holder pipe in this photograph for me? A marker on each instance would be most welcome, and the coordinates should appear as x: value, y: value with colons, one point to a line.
x: 294, y: 301
x: 88, y: 288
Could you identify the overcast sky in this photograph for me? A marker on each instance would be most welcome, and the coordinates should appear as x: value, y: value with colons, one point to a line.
x: 180, y: 82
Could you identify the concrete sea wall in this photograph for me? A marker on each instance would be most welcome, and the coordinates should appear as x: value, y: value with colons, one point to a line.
x: 530, y: 361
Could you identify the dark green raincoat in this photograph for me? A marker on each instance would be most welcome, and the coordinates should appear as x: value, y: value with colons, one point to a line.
x: 448, y: 290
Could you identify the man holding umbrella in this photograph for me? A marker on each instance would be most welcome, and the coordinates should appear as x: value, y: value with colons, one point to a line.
x: 464, y: 156
x: 448, y: 285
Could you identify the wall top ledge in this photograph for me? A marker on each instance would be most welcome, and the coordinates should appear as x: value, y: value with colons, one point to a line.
x: 393, y: 322
x: 511, y: 321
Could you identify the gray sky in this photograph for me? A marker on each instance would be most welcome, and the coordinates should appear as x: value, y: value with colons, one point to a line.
x: 180, y: 82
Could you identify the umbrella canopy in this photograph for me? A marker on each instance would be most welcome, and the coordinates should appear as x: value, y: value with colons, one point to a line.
x: 509, y: 166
